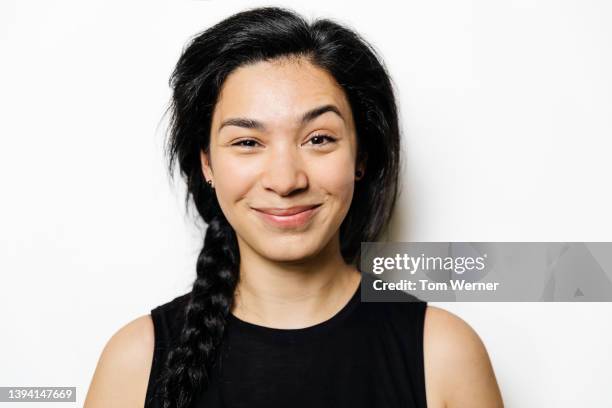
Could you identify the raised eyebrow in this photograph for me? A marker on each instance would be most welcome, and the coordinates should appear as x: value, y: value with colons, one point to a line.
x: 244, y: 123
x: 316, y: 112
x: 257, y: 125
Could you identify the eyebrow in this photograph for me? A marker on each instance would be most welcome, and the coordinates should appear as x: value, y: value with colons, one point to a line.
x: 257, y: 125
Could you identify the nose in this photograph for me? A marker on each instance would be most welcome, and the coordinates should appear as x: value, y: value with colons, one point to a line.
x: 284, y: 172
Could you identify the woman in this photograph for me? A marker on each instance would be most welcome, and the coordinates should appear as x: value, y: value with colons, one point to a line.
x: 287, y: 135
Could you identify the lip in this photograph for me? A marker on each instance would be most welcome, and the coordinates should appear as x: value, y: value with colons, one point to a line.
x: 287, y: 217
x: 286, y: 211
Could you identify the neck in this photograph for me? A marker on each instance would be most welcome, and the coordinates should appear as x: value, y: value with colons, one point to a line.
x: 293, y: 295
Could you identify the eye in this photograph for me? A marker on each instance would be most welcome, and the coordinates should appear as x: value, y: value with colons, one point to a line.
x: 240, y: 143
x: 318, y: 140
x: 321, y: 139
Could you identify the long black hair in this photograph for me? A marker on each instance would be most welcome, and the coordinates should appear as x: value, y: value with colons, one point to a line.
x: 265, y: 34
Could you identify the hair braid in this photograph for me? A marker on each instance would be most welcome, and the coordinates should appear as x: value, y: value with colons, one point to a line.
x: 188, y: 366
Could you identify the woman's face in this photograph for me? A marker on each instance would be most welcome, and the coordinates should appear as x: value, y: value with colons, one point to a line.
x: 282, y: 135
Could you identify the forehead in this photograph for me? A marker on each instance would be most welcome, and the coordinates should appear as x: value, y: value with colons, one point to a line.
x: 278, y: 92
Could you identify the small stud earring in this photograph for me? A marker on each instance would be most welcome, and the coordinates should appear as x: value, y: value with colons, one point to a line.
x: 210, y: 184
x: 358, y: 173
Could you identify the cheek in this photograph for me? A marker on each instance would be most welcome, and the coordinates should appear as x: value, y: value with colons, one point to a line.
x: 234, y: 179
x: 338, y: 179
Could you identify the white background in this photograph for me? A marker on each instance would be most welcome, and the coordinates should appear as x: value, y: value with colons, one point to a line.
x: 506, y: 112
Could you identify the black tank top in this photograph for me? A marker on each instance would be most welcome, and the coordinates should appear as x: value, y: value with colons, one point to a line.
x: 369, y: 354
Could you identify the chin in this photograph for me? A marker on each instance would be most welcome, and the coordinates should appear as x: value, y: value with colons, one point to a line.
x: 283, y: 250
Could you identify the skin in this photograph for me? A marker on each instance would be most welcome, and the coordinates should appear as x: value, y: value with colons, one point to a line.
x: 293, y: 278
x: 288, y: 278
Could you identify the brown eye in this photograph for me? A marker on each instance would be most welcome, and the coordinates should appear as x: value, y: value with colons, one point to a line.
x: 240, y: 143
x: 320, y: 140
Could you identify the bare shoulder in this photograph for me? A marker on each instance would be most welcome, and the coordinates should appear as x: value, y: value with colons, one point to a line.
x: 458, y: 371
x: 122, y: 373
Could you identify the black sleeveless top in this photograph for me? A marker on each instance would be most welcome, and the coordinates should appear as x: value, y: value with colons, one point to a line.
x: 369, y: 354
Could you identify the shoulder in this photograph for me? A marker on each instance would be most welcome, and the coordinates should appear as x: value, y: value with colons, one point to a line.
x: 168, y: 320
x: 458, y: 370
x: 122, y: 373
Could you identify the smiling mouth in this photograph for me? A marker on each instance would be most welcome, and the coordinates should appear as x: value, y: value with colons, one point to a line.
x: 288, y: 217
x: 286, y: 211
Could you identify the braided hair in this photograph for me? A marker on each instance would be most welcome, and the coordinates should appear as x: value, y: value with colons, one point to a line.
x: 264, y: 34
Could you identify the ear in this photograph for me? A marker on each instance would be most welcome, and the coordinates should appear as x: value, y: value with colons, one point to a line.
x: 362, y: 159
x: 206, y: 169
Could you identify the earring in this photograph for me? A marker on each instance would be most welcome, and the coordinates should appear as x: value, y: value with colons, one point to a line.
x: 210, y: 184
x: 358, y: 173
